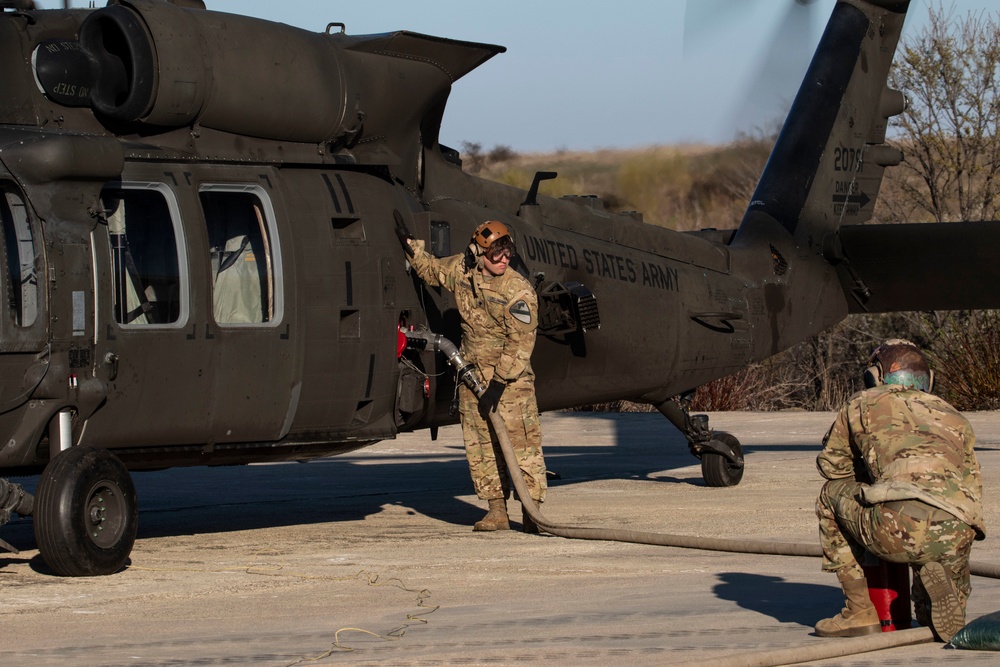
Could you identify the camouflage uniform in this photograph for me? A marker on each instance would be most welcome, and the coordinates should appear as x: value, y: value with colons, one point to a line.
x: 499, y: 319
x: 904, y: 484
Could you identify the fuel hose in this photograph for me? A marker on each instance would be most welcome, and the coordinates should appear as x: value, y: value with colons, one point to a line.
x: 764, y: 547
x: 839, y: 647
x: 771, y: 658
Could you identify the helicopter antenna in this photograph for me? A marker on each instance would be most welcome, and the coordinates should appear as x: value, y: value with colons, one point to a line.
x: 532, y: 198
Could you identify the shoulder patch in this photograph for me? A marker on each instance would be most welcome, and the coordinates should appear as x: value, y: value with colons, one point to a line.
x: 519, y: 309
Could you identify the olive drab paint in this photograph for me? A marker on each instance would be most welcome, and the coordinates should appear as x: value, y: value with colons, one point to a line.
x: 200, y: 265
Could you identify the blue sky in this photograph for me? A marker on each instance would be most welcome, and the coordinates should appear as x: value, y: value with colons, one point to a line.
x: 589, y: 74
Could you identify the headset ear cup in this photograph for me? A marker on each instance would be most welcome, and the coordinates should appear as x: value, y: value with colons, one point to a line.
x: 873, y: 376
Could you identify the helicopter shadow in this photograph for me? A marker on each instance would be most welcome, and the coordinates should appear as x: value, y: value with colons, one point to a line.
x: 330, y: 490
x: 193, y: 501
x: 352, y: 487
x: 11, y: 559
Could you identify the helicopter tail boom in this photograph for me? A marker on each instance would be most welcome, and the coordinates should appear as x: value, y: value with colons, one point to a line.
x: 827, y: 164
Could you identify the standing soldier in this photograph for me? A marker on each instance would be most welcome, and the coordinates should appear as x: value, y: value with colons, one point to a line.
x: 905, y: 485
x: 499, y: 313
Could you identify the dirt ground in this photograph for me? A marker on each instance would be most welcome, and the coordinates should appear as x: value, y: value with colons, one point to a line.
x: 369, y: 559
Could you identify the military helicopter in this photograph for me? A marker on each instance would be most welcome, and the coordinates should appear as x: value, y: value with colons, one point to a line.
x: 201, y: 268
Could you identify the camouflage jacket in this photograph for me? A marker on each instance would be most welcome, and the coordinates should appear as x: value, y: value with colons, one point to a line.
x: 499, y: 313
x: 907, y: 444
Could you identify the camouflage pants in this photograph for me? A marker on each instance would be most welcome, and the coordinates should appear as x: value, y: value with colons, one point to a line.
x: 847, y: 528
x: 519, y: 412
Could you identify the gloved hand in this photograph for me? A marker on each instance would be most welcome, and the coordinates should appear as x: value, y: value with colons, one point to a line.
x: 490, y: 399
x: 403, y: 233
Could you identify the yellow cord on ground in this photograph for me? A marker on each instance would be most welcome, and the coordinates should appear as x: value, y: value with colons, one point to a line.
x: 371, y: 579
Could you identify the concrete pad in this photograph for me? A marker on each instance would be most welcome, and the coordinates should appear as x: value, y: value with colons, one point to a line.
x: 369, y: 559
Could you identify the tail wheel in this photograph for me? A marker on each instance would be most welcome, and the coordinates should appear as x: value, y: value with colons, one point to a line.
x: 716, y: 469
x: 86, y: 513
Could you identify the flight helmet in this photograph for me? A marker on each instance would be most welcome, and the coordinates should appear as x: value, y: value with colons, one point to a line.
x: 492, y: 237
x: 898, y: 361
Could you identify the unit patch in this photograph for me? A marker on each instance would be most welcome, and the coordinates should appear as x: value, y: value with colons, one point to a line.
x: 519, y: 309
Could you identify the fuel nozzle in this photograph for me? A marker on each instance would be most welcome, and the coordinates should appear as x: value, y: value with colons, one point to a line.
x: 466, y: 372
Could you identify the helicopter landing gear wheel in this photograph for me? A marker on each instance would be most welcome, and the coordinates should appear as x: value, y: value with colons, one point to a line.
x: 716, y: 469
x: 86, y: 513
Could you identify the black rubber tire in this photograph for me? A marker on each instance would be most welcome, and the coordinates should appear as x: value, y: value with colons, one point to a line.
x: 86, y: 513
x: 716, y: 469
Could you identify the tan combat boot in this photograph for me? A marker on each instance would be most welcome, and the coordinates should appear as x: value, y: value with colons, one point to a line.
x: 496, y: 518
x: 947, y: 614
x: 857, y: 618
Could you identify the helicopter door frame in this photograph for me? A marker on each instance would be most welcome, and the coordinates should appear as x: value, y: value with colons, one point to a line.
x: 254, y: 395
x: 146, y: 329
x: 23, y: 325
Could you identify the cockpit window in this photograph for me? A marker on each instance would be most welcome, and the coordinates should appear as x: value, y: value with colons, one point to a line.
x: 242, y: 254
x: 146, y: 270
x: 21, y: 255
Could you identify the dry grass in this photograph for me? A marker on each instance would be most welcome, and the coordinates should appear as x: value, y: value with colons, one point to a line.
x: 680, y: 187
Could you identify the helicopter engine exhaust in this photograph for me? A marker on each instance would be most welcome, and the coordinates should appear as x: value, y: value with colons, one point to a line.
x: 160, y: 65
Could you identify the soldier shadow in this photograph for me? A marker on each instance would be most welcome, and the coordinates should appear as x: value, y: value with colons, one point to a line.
x: 783, y: 600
